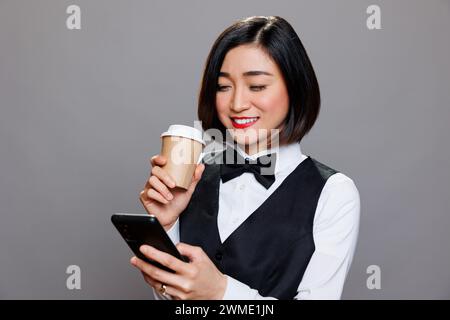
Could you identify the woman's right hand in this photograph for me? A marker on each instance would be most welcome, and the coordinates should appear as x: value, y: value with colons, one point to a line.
x: 161, y: 198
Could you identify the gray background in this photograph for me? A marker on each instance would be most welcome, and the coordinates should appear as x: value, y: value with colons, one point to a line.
x: 82, y: 110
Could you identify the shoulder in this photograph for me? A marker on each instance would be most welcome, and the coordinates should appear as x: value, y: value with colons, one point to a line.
x: 341, y: 186
x: 339, y: 198
x: 337, y: 185
x: 340, y: 190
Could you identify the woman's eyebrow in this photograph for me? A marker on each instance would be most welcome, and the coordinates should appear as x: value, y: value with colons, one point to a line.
x: 256, y: 73
x: 247, y: 74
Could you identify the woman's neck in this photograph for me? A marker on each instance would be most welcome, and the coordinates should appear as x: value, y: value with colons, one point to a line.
x: 255, y: 148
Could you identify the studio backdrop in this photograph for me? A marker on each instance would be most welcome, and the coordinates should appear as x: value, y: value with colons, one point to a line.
x: 87, y: 87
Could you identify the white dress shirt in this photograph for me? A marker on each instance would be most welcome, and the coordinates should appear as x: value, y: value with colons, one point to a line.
x: 335, y: 226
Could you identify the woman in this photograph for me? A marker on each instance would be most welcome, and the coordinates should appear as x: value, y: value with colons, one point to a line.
x: 289, y: 233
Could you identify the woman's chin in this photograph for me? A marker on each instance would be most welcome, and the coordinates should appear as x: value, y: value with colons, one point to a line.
x: 251, y: 147
x: 245, y: 141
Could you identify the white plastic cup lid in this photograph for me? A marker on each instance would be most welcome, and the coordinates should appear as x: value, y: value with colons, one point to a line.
x: 184, y: 131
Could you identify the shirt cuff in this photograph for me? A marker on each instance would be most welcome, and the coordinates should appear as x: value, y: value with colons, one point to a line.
x: 237, y: 290
x: 174, y: 232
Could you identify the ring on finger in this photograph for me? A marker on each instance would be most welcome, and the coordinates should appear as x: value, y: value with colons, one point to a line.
x: 162, y: 289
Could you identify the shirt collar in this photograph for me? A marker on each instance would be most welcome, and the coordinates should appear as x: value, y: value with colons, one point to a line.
x: 287, y: 155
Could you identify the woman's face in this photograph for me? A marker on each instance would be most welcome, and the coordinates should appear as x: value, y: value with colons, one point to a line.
x: 251, y: 96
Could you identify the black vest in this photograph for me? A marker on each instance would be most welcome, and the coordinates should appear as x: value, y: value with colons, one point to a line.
x: 271, y: 249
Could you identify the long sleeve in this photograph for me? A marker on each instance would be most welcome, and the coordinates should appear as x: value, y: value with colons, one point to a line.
x: 335, y: 231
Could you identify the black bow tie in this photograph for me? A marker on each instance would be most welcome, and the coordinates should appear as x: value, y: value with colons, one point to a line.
x: 262, y: 168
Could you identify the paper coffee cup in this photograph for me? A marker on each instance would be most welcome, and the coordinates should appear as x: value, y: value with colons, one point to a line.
x: 182, y: 146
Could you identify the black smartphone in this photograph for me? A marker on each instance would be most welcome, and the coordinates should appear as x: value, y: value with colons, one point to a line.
x: 139, y: 229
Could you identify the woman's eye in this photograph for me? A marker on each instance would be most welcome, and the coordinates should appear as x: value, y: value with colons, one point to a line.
x: 257, y: 88
x: 222, y: 88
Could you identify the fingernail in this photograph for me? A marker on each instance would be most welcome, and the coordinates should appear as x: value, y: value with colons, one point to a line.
x: 147, y: 249
x: 143, y: 249
x: 169, y: 196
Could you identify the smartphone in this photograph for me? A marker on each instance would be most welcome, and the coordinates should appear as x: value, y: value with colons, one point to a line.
x: 139, y: 229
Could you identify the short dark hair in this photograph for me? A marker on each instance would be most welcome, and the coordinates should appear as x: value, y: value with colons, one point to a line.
x: 279, y: 40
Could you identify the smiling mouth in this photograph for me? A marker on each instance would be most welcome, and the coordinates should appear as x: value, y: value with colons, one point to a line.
x: 243, y: 122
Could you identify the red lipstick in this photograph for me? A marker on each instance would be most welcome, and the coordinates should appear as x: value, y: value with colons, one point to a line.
x: 243, y: 122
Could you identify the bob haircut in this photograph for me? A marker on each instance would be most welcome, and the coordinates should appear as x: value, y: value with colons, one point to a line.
x: 279, y: 40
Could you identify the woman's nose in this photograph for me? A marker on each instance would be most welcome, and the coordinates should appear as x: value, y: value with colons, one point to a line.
x: 239, y: 102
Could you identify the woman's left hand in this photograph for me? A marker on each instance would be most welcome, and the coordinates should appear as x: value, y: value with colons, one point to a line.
x: 198, y: 279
